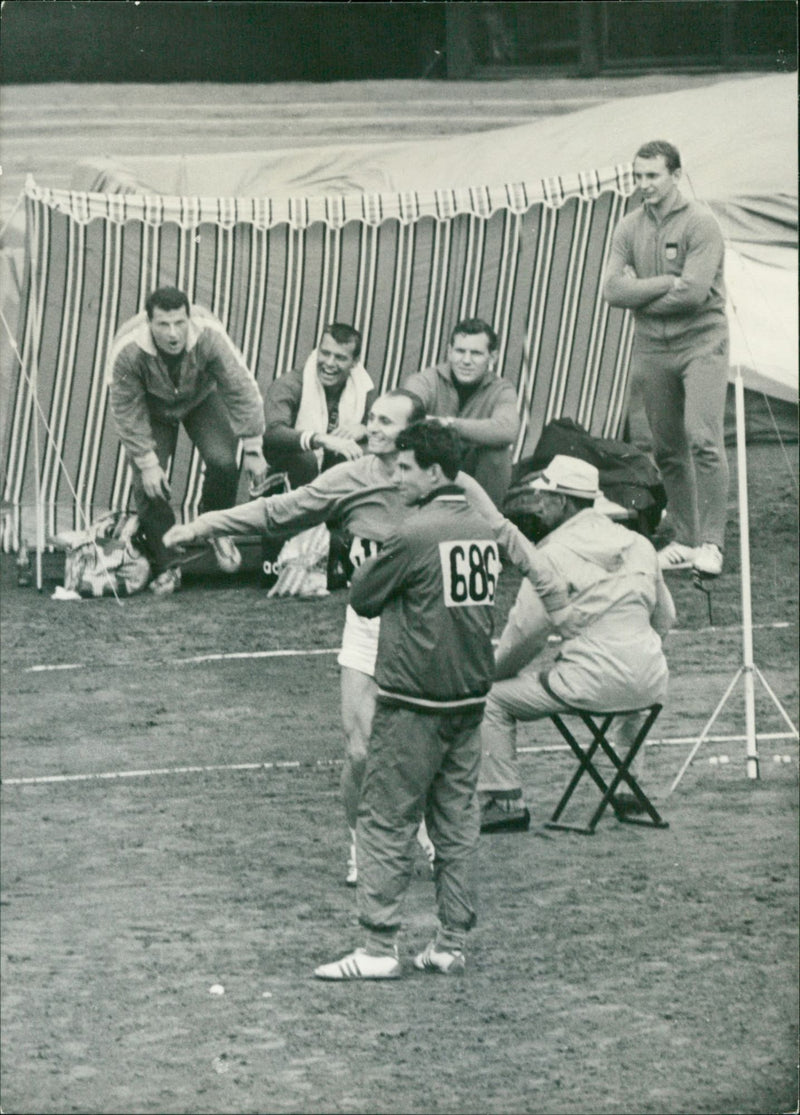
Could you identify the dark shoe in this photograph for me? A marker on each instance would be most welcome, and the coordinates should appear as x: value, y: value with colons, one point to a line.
x: 495, y: 818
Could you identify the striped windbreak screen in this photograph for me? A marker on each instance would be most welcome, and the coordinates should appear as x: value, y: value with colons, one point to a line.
x: 402, y: 268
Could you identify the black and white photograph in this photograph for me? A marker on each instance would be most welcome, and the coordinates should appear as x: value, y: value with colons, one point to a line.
x: 399, y: 685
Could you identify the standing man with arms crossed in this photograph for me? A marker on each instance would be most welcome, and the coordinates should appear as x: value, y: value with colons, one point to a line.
x: 170, y: 365
x: 433, y: 584
x: 480, y: 406
x: 361, y: 497
x: 666, y: 266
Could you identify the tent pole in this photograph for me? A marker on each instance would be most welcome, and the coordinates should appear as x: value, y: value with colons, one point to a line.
x: 748, y: 670
x: 747, y: 603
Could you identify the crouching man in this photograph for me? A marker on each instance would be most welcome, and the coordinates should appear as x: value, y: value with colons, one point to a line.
x: 175, y: 365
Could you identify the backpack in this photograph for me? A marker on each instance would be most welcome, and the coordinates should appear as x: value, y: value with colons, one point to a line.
x: 627, y: 475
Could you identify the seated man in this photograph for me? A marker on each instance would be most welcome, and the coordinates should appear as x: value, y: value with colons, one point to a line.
x: 316, y: 417
x: 170, y: 365
x: 611, y: 657
x: 482, y: 407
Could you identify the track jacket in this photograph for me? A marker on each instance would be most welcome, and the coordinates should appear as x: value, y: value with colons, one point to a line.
x: 142, y: 389
x: 433, y: 585
x: 686, y: 242
x: 282, y: 405
x: 491, y: 407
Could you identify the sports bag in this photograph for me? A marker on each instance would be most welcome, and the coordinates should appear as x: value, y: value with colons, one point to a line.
x: 627, y: 475
x: 103, y: 559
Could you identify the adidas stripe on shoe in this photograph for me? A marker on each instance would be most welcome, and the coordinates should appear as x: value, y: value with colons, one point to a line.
x: 360, y: 965
x: 433, y: 959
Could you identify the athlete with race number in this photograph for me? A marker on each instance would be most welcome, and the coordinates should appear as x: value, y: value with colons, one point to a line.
x: 433, y: 584
x: 361, y: 497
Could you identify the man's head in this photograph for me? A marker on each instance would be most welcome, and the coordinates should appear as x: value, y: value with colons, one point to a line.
x: 168, y: 317
x: 389, y: 415
x: 568, y: 485
x: 337, y: 354
x: 656, y: 171
x: 472, y: 352
x: 428, y: 457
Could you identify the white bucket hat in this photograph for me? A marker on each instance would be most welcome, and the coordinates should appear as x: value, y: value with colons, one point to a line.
x: 569, y: 476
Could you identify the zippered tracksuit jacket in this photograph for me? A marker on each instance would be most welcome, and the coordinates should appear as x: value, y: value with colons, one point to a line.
x: 680, y: 359
x: 211, y: 392
x: 489, y: 417
x: 433, y: 585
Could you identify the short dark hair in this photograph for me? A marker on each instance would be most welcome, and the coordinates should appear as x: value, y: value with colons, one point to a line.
x: 418, y: 411
x: 471, y: 327
x: 166, y: 298
x: 432, y: 444
x: 658, y: 147
x: 344, y: 334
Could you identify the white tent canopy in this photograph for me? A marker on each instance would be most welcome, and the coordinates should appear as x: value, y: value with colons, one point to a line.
x: 738, y: 141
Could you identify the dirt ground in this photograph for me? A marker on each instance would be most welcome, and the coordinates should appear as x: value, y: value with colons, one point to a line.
x: 633, y: 971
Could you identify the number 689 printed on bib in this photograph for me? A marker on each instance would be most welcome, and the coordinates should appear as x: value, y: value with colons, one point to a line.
x: 469, y: 572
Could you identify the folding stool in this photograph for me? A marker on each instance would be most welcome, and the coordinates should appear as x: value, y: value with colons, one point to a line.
x: 599, y: 724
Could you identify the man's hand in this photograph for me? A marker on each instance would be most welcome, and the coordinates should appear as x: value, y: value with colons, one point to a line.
x: 344, y: 447
x: 178, y: 536
x: 629, y: 272
x: 255, y: 465
x: 352, y: 431
x: 155, y: 483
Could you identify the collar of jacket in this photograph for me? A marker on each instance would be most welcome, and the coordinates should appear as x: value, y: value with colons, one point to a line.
x: 680, y: 203
x: 446, y: 490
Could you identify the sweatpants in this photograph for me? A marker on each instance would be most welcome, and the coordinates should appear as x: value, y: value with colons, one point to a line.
x: 209, y: 428
x: 683, y: 385
x: 419, y: 764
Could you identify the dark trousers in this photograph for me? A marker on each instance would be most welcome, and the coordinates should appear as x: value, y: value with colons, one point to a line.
x: 419, y: 764
x: 301, y: 466
x: 209, y: 430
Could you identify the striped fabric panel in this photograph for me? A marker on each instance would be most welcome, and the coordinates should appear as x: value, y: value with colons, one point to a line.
x: 533, y: 272
x: 302, y: 212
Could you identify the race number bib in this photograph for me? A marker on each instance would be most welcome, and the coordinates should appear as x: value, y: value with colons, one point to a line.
x: 361, y: 549
x: 469, y: 572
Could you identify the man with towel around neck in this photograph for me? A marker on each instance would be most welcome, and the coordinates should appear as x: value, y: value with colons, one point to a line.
x: 316, y: 416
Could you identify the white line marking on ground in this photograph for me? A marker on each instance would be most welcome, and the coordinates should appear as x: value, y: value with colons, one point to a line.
x: 254, y: 654
x: 295, y: 764
x: 200, y: 658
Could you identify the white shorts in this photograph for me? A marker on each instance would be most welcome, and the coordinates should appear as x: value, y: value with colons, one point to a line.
x: 359, y: 642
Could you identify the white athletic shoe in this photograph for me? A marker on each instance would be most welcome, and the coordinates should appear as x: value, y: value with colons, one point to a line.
x: 227, y: 554
x: 361, y: 965
x: 351, y: 878
x: 708, y: 560
x: 675, y: 556
x: 433, y: 959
